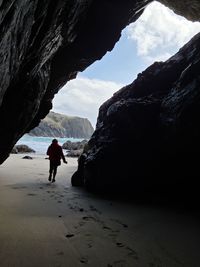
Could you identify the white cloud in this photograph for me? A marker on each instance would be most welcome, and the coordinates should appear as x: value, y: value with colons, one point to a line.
x: 82, y: 97
x: 159, y: 33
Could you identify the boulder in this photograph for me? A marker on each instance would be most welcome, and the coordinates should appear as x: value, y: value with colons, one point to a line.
x: 14, y: 150
x: 75, y: 153
x: 27, y: 157
x: 22, y: 149
x: 74, y: 145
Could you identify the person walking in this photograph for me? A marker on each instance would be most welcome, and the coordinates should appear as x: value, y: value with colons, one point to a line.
x: 55, y: 154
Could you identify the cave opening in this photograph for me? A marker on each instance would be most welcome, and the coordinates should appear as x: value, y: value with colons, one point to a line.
x: 157, y: 35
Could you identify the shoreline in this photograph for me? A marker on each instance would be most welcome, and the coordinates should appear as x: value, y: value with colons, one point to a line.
x: 57, y: 225
x: 40, y: 143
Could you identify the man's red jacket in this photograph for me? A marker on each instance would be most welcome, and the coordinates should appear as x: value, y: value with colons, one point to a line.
x: 55, y: 153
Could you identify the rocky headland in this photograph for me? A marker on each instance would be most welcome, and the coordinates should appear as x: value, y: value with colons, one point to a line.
x: 59, y: 125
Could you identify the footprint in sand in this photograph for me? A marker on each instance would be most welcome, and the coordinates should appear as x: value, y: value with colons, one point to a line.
x: 61, y: 253
x: 132, y: 253
x: 19, y: 187
x: 84, y: 260
x: 69, y: 235
x: 75, y: 208
x: 89, y: 218
x: 119, y: 244
x: 81, y: 223
x: 92, y: 208
x: 89, y: 240
x: 121, y: 223
x: 106, y: 228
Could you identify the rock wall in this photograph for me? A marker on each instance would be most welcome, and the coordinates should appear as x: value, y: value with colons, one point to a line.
x: 59, y: 125
x: 190, y: 9
x: 147, y: 135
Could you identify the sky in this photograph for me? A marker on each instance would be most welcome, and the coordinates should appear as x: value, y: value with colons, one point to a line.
x: 155, y: 36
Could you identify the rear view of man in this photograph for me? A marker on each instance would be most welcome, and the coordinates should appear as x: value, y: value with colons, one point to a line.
x: 55, y: 154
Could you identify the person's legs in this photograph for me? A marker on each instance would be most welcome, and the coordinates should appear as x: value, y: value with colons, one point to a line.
x: 54, y: 172
x: 50, y: 170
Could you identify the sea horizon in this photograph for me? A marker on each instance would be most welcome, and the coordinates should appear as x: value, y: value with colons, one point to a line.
x: 40, y: 143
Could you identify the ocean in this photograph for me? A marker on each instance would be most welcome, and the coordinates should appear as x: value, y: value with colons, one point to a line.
x: 40, y: 144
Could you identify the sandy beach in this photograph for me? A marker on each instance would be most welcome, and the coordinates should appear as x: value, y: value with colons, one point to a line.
x: 57, y: 225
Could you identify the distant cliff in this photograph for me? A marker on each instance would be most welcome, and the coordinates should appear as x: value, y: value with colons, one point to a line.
x: 59, y: 125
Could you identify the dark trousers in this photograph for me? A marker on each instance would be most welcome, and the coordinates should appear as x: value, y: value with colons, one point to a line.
x: 53, y: 169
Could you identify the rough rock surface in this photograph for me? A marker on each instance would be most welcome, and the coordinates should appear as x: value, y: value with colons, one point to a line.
x: 147, y: 134
x: 59, y: 125
x: 190, y: 9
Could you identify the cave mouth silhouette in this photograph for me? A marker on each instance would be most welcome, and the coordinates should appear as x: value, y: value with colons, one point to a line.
x: 113, y: 55
x: 35, y: 74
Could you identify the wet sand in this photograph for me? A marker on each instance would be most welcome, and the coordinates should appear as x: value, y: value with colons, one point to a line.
x: 57, y: 225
